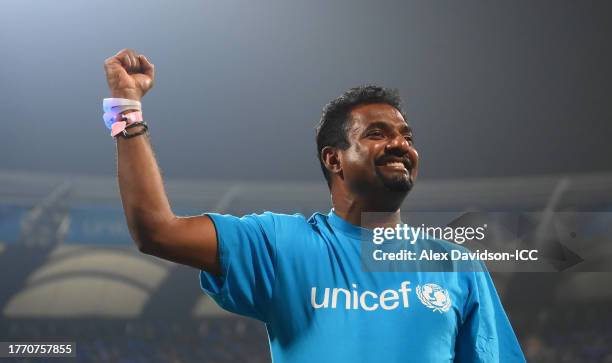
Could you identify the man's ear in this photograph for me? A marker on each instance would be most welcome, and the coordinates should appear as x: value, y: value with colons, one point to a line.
x: 331, y: 159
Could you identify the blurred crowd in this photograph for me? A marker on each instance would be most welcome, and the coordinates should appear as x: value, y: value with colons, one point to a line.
x: 209, y: 341
x: 582, y: 333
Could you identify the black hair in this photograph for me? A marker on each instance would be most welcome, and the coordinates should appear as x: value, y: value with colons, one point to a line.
x: 333, y: 126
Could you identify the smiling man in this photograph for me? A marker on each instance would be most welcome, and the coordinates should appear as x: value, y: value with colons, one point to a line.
x: 303, y: 277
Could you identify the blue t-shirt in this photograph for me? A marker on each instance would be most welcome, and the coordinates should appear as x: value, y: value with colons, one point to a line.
x: 304, y: 280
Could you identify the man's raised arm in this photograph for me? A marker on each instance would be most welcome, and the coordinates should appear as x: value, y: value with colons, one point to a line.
x: 154, y: 227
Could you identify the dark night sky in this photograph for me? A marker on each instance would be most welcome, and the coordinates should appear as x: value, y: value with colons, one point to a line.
x: 491, y: 88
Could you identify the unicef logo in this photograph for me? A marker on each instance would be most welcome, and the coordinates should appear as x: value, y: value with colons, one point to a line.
x: 434, y: 297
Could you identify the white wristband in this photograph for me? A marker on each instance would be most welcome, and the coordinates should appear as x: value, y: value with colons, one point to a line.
x: 114, y: 106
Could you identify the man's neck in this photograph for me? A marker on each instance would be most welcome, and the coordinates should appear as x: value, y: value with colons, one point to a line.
x: 358, y: 212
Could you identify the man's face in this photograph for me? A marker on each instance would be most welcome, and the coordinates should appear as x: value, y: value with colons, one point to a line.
x: 381, y: 155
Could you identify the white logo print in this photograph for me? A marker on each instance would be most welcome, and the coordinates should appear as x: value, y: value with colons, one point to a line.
x: 434, y: 297
x: 354, y: 299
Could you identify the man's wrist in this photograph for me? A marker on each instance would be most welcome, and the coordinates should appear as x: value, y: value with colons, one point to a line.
x: 135, y: 129
x: 135, y: 96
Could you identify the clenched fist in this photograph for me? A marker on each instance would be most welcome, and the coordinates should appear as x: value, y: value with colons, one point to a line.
x: 129, y: 75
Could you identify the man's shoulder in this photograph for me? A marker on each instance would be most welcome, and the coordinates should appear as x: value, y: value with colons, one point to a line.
x: 296, y: 220
x: 284, y: 220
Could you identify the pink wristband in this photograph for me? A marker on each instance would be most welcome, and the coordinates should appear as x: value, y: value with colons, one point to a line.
x: 128, y: 118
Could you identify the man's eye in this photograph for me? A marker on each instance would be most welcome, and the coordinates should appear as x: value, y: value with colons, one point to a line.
x: 409, y: 139
x: 375, y: 133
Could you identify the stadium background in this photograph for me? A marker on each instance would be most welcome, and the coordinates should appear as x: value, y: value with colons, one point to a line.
x: 509, y: 102
x: 71, y: 271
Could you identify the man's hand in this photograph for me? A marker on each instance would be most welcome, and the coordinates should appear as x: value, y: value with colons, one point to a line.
x: 129, y: 75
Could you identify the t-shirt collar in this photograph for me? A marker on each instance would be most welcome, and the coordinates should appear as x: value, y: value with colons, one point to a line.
x: 347, y: 228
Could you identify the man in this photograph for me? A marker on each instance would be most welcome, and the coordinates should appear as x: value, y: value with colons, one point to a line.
x: 303, y: 278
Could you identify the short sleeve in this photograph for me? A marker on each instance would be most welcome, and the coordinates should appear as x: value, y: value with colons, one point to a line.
x: 247, y: 253
x: 486, y: 334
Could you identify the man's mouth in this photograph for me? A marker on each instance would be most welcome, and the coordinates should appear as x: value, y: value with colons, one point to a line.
x: 397, y: 164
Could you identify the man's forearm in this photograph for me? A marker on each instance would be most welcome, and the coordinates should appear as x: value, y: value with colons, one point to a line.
x: 142, y: 191
x: 130, y: 76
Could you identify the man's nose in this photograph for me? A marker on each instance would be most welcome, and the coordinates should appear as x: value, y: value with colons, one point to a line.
x: 398, y: 145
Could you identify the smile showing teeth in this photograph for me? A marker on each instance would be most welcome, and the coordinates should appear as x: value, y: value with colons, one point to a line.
x: 396, y: 164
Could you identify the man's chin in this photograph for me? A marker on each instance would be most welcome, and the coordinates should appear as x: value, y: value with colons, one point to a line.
x: 398, y: 184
